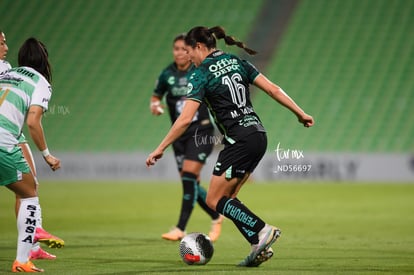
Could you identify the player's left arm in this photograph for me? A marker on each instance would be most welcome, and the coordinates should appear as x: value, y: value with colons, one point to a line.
x: 280, y: 96
x: 177, y: 129
x: 34, y: 124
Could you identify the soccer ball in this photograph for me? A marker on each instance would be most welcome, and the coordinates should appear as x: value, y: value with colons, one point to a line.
x: 196, y: 248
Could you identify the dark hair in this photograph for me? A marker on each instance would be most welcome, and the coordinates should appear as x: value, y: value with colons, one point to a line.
x: 208, y: 37
x: 181, y: 36
x: 33, y: 53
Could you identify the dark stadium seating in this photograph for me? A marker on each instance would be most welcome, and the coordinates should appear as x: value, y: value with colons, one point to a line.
x: 351, y: 65
x: 106, y: 56
x: 348, y: 63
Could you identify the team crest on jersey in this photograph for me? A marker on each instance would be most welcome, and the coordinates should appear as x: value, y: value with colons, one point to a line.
x: 171, y: 80
x: 189, y: 88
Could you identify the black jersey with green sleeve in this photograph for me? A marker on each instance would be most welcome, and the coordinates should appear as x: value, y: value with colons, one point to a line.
x: 172, y: 83
x: 222, y: 81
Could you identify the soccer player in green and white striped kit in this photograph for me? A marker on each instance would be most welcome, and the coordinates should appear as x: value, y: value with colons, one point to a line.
x: 190, y: 153
x: 222, y: 81
x: 4, y: 49
x: 41, y: 236
x: 25, y: 92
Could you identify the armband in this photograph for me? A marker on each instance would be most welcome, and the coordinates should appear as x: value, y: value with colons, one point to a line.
x: 155, y: 103
x: 45, y: 152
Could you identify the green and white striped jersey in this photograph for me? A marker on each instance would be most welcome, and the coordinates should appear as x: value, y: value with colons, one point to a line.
x: 20, y: 88
x: 4, y: 66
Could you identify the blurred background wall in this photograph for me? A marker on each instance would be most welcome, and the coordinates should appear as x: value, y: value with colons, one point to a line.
x: 348, y: 63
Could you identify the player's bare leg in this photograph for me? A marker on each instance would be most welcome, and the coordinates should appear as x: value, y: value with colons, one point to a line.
x: 41, y: 236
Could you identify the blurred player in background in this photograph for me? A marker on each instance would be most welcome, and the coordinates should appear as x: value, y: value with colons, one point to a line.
x: 222, y: 80
x: 190, y: 155
x: 4, y: 65
x: 28, y: 89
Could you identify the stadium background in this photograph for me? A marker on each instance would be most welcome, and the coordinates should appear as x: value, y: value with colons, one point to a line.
x: 348, y: 63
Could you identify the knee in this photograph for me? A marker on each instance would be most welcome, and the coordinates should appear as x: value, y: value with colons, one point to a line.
x: 211, y: 202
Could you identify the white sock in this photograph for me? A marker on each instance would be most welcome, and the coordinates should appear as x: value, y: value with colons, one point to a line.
x: 29, y: 213
x: 39, y: 219
x: 36, y: 245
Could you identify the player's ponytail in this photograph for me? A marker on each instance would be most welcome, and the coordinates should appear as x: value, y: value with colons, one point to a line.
x: 220, y: 33
x: 208, y: 37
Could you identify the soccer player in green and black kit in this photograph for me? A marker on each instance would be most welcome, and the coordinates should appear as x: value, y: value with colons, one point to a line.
x: 222, y: 80
x: 190, y: 153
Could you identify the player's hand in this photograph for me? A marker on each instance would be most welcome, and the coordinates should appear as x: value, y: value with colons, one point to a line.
x: 156, y: 108
x: 53, y: 162
x: 153, y: 157
x: 306, y: 120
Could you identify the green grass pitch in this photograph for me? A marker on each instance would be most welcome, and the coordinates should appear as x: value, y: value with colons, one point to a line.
x: 327, y: 228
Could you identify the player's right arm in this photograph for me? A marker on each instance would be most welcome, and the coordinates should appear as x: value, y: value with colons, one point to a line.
x: 161, y: 88
x: 177, y: 130
x: 155, y: 105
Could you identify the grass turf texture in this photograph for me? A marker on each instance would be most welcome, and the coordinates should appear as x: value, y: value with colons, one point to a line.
x: 326, y: 229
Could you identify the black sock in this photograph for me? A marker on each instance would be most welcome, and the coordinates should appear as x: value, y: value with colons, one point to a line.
x: 189, y: 182
x: 245, y: 220
x: 201, y: 199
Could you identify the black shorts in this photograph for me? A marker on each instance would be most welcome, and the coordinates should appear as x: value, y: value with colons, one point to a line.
x: 242, y: 157
x: 195, y: 146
